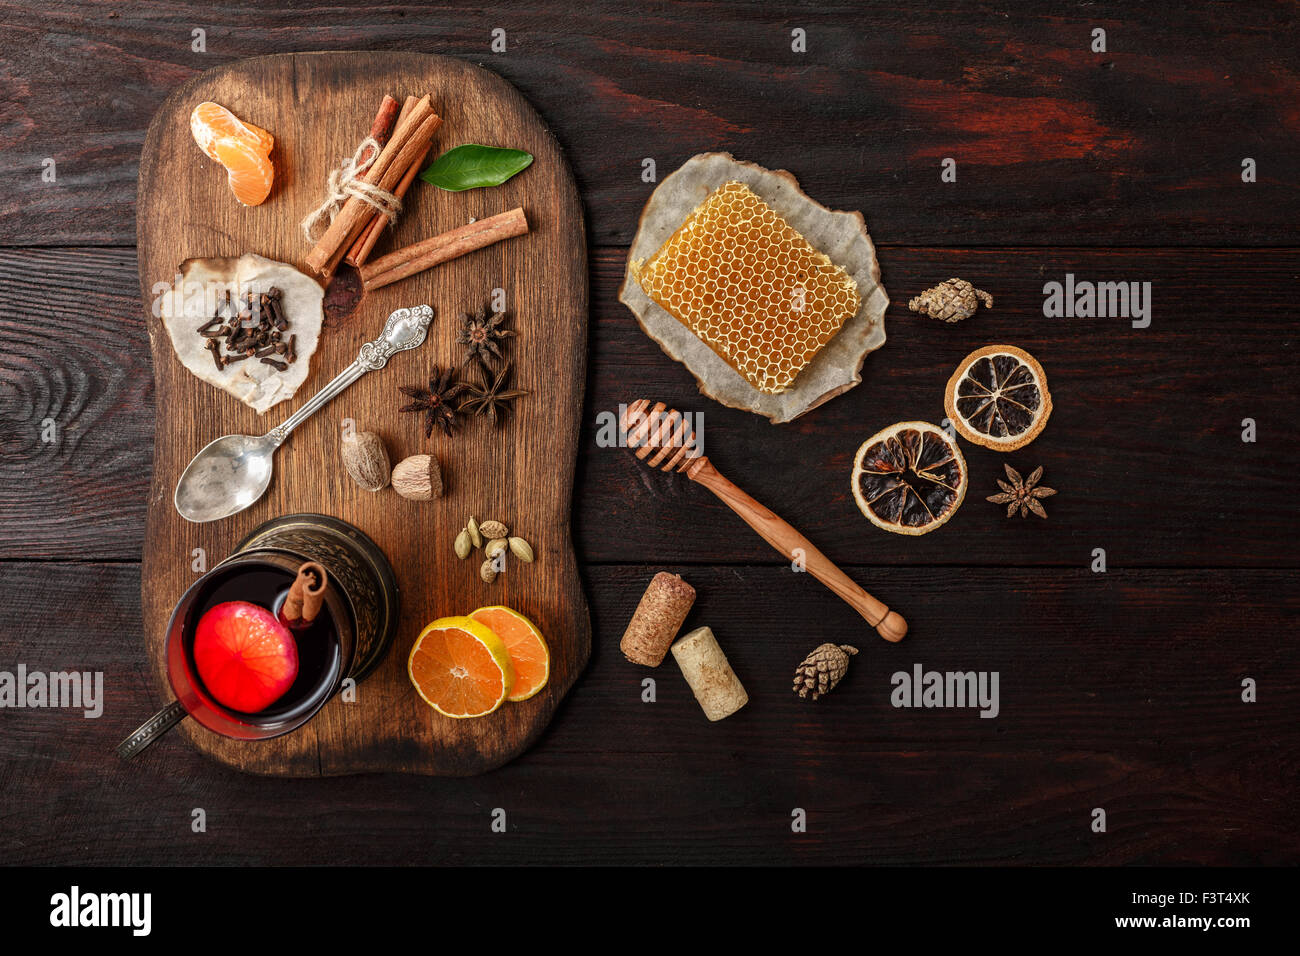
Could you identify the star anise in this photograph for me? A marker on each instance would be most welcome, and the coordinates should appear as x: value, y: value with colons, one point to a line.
x: 480, y: 334
x: 1022, y: 493
x: 435, y: 401
x: 491, y: 399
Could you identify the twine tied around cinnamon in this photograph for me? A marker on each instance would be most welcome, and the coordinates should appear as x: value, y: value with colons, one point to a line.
x: 348, y: 180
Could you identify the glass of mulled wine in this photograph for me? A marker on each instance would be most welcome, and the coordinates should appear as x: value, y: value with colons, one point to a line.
x: 324, y: 647
x: 345, y: 640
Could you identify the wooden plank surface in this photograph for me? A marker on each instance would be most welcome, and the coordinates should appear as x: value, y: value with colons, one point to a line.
x: 1142, y: 144
x: 1158, y: 410
x: 318, y: 105
x: 1118, y: 691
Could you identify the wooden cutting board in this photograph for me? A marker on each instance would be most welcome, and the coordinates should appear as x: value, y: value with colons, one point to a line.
x: 318, y: 106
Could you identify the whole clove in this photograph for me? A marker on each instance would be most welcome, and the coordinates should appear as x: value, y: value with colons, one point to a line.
x: 273, y: 311
x: 214, y: 347
x: 250, y: 327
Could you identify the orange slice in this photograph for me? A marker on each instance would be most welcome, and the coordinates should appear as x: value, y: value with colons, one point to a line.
x: 525, y: 644
x: 249, y: 172
x: 210, y: 121
x: 460, y: 668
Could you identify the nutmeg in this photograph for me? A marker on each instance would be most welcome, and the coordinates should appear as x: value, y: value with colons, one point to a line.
x: 493, y: 529
x: 366, y: 460
x: 418, y: 478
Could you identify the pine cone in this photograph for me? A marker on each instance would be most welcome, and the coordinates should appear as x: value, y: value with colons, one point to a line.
x: 951, y: 301
x: 822, y: 670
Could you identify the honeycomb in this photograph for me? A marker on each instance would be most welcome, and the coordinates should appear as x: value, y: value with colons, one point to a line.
x: 751, y: 287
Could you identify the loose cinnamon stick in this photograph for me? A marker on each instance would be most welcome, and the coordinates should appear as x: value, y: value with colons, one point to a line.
x: 442, y: 248
x: 305, y: 597
x: 410, y: 138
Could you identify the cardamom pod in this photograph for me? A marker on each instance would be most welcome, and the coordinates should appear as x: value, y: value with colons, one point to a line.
x: 493, y: 529
x: 495, y: 547
x: 475, y: 538
x: 521, y: 550
x: 488, y: 571
x: 462, y: 544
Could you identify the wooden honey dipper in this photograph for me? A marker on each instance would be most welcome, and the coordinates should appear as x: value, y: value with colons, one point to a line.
x: 663, y: 438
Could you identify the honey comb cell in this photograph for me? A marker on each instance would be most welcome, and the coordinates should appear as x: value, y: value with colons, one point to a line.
x: 750, y: 286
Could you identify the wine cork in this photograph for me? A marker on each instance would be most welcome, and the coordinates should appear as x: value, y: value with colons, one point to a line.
x: 705, y: 667
x: 658, y: 617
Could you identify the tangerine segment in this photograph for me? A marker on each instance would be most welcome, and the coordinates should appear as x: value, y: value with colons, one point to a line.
x: 998, y: 397
x: 210, y: 121
x: 524, y: 642
x: 460, y: 668
x: 750, y: 286
x: 909, y: 478
x: 250, y: 173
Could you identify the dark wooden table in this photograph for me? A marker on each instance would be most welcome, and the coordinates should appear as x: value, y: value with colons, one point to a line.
x: 1120, y: 690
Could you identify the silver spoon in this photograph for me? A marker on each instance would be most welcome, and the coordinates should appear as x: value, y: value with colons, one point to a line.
x: 233, y: 472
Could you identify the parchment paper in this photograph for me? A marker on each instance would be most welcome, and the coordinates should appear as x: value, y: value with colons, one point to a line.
x: 841, y: 235
x: 186, y: 308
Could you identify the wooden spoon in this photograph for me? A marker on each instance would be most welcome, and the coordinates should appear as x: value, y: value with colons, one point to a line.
x: 667, y: 433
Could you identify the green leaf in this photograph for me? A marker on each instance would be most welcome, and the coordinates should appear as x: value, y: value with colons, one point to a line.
x: 473, y: 166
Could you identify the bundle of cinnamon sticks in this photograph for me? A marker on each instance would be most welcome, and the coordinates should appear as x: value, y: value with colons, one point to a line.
x: 357, y: 226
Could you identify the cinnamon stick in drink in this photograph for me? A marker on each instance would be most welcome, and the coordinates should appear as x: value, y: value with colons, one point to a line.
x: 442, y: 248
x: 306, y: 595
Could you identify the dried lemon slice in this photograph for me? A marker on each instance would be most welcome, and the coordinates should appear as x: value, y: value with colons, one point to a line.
x: 909, y: 478
x: 998, y: 397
